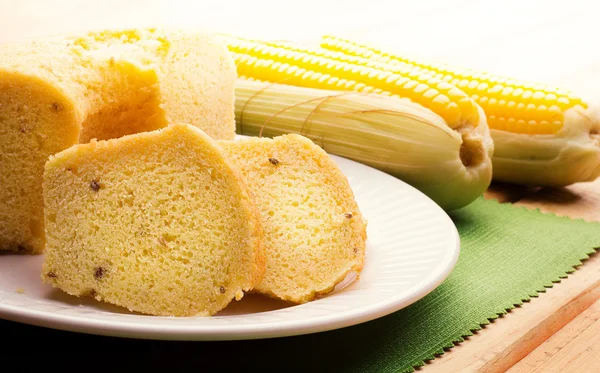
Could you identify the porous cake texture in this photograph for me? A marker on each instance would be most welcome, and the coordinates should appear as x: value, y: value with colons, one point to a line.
x: 60, y: 91
x: 314, y: 232
x: 158, y: 222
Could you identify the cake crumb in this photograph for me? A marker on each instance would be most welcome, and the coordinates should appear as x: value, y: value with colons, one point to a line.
x: 20, y: 291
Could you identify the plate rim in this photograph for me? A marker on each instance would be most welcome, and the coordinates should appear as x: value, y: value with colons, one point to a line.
x: 204, y: 332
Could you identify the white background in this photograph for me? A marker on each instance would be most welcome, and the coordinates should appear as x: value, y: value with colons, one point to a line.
x: 556, y: 42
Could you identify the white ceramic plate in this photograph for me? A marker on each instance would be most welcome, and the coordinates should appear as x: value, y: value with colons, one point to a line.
x: 412, y: 247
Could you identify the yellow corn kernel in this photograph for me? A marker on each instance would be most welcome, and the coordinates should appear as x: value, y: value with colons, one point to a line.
x: 489, y: 91
x: 402, y: 80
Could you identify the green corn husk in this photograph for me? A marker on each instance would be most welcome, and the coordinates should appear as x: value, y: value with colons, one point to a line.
x: 393, y: 135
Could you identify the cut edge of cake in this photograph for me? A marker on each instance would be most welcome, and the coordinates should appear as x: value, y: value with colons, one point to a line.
x: 57, y: 252
x: 271, y: 157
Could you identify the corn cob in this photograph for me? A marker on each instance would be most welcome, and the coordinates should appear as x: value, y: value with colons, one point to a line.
x: 394, y: 135
x: 310, y: 69
x: 543, y: 136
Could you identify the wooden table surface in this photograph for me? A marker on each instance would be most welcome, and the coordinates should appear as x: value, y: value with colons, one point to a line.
x: 548, y: 41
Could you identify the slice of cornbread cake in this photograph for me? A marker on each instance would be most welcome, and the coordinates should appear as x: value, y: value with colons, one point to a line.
x: 158, y: 222
x: 59, y: 91
x: 314, y: 232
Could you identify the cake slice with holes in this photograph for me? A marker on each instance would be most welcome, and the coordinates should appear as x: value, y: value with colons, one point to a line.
x: 314, y: 233
x: 63, y: 90
x: 157, y: 222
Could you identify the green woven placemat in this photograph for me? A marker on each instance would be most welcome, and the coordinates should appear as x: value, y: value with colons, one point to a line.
x: 508, y: 255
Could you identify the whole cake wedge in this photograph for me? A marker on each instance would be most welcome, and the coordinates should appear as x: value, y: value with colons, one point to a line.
x: 59, y: 91
x: 157, y: 222
x: 314, y: 233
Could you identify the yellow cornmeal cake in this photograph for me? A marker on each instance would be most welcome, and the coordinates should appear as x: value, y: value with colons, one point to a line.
x: 158, y: 222
x: 63, y: 90
x: 314, y: 232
